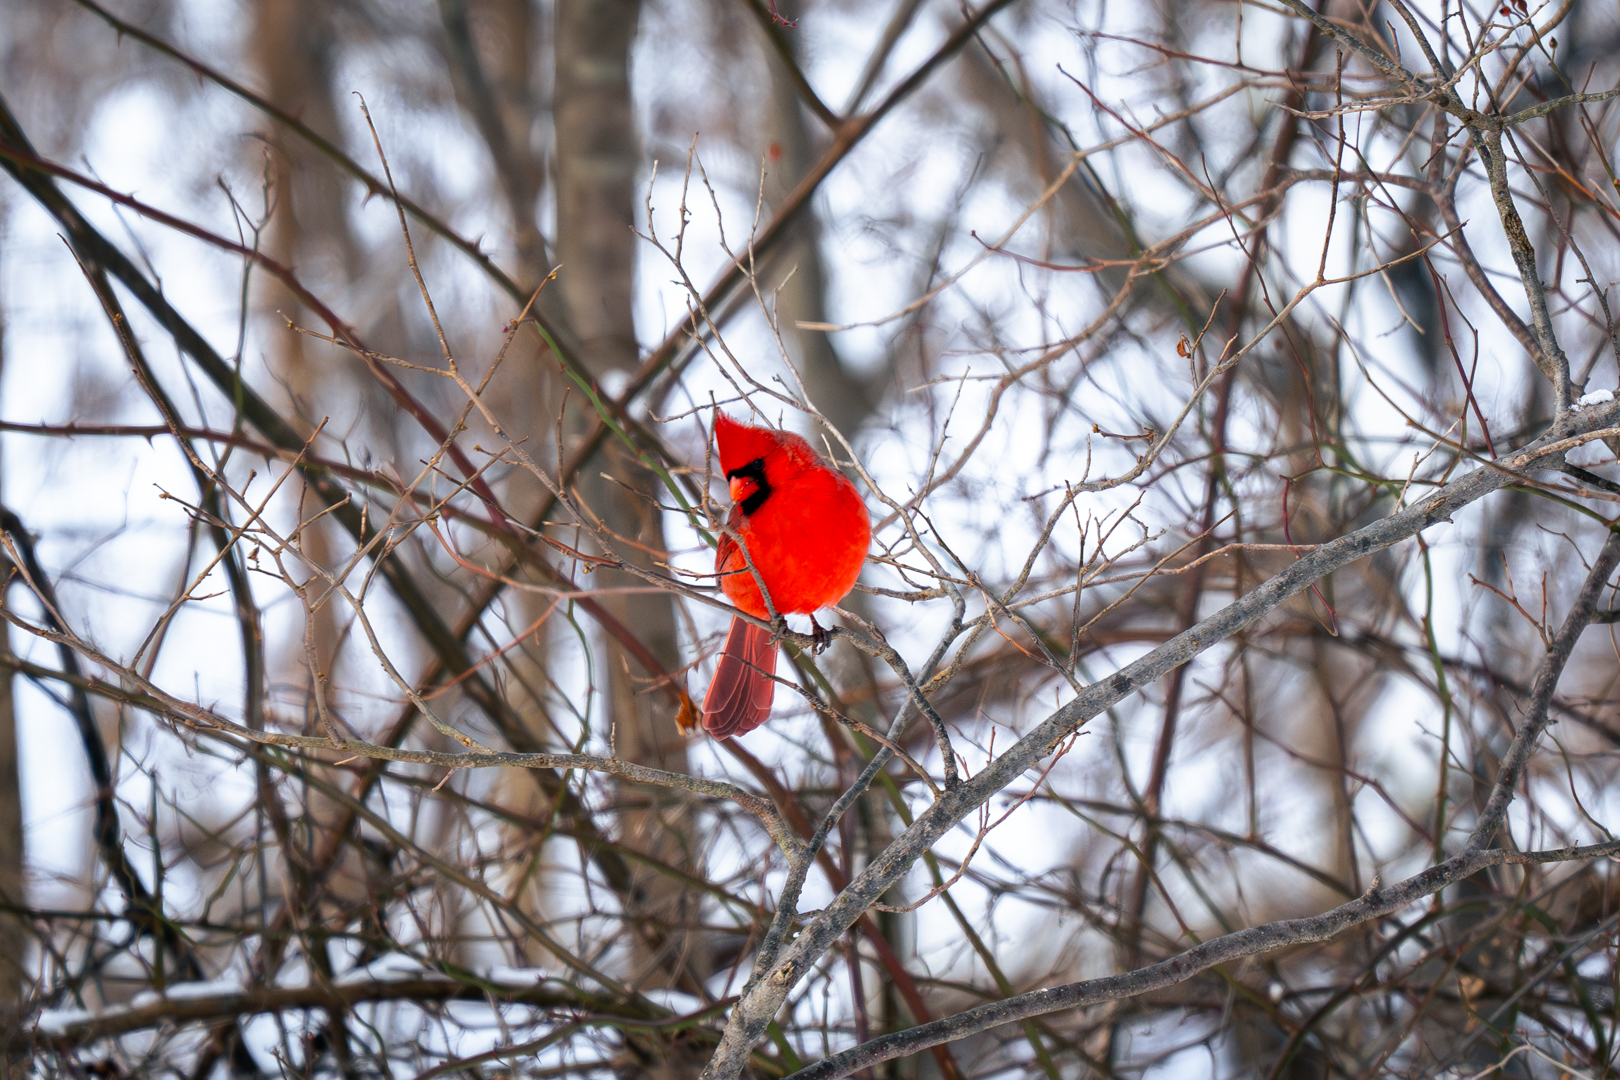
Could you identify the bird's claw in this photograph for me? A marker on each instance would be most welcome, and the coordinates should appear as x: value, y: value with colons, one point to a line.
x: 820, y: 637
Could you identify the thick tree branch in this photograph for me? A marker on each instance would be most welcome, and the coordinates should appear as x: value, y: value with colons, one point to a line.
x: 190, y: 1004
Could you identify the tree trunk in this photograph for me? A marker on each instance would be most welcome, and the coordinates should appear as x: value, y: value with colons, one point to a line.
x: 291, y: 48
x: 597, y: 158
x: 13, y: 928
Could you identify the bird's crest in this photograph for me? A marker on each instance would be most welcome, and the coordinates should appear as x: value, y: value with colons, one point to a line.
x: 740, y: 443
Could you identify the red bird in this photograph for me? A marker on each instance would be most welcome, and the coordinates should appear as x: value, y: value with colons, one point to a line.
x: 806, y: 530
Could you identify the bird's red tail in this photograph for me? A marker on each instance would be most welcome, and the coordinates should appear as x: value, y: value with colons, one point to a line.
x: 739, y: 698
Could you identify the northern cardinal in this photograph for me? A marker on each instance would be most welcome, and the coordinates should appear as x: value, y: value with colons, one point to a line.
x: 805, y: 529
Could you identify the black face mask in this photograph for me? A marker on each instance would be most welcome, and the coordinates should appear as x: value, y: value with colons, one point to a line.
x: 755, y: 471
